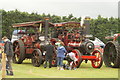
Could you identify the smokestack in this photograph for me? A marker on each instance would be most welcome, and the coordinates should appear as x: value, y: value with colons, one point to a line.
x: 87, y: 26
x: 46, y: 28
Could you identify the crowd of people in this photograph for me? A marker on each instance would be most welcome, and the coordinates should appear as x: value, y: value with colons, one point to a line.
x: 61, y: 55
x: 49, y: 53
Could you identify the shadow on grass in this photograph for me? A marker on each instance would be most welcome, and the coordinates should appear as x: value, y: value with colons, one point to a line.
x: 28, y: 63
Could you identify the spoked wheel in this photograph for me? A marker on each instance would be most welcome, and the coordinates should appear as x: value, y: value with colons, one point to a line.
x: 54, y: 59
x: 37, y: 58
x: 97, y: 63
x: 19, y: 52
x: 78, y: 56
x: 111, y: 55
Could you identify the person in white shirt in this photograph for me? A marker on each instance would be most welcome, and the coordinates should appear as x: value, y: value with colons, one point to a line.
x: 72, y: 60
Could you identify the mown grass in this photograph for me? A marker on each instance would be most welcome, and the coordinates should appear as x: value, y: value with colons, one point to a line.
x: 26, y: 70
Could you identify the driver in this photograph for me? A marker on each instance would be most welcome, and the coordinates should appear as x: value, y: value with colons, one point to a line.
x: 33, y: 37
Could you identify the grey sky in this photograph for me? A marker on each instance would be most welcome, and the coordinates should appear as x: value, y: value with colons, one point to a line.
x: 92, y: 8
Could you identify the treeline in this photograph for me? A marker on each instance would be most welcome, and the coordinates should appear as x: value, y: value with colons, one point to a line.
x: 100, y: 27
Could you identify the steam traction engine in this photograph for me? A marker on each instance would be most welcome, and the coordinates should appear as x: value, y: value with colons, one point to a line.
x: 32, y: 43
x: 76, y: 40
x: 111, y: 53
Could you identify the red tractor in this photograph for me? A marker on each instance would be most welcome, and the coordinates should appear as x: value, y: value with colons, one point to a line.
x: 32, y: 42
x: 111, y: 53
x: 76, y: 40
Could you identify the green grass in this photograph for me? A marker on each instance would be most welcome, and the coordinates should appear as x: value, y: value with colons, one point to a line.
x: 26, y: 70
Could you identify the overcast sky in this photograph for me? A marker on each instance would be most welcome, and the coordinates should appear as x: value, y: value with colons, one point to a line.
x: 92, y: 8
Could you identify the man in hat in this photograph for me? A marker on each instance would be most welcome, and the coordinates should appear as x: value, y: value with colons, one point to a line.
x: 8, y: 50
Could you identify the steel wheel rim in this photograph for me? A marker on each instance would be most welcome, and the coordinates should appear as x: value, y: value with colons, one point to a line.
x: 36, y: 58
x: 97, y: 62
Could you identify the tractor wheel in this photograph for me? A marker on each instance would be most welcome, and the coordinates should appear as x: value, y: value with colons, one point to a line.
x: 111, y: 55
x: 19, y: 52
x: 54, y: 59
x: 36, y: 58
x: 78, y: 56
x: 97, y: 63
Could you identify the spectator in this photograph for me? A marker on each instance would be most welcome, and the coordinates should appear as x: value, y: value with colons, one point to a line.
x: 70, y: 57
x: 8, y: 50
x: 49, y: 54
x: 60, y: 55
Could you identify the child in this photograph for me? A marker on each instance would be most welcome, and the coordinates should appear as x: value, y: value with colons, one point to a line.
x: 71, y: 60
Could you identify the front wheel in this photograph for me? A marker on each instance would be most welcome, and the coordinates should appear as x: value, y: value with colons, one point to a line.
x: 36, y: 58
x: 97, y: 63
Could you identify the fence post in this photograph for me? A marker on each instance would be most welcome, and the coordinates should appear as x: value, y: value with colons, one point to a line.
x: 3, y: 65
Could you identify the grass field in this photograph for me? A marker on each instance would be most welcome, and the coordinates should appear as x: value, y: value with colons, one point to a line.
x: 26, y: 70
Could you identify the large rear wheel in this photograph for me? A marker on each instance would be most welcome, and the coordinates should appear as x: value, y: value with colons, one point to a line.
x: 111, y: 55
x: 19, y: 52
